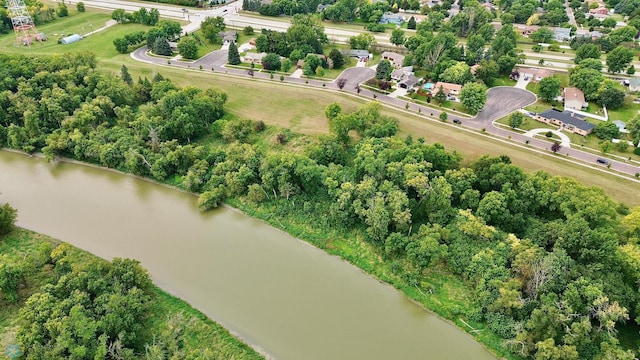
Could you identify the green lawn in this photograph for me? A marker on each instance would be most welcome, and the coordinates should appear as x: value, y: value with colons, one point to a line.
x: 100, y: 43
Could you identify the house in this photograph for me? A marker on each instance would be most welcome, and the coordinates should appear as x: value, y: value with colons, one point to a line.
x: 402, y: 73
x: 594, y: 35
x: 574, y: 99
x: 489, y: 6
x: 360, y: 54
x: 448, y: 88
x: 526, y: 30
x: 173, y: 46
x: 70, y: 39
x: 474, y: 69
x: 391, y: 18
x: 409, y: 82
x: 599, y: 11
x: 634, y: 84
x: 397, y: 60
x: 566, y: 120
x: 228, y: 36
x: 622, y: 126
x: 536, y: 74
x: 254, y: 58
x: 397, y: 74
x: 562, y: 34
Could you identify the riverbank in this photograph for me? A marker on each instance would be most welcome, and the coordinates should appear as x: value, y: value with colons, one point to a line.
x: 200, y: 336
x: 446, y: 294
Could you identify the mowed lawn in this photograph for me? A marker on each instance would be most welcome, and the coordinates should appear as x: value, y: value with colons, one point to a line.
x: 302, y: 109
x: 100, y: 43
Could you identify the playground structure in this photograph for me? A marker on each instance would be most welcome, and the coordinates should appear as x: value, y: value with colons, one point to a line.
x: 22, y: 22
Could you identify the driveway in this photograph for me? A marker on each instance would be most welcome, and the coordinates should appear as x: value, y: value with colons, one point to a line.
x: 357, y: 75
x: 501, y: 101
x: 566, y: 141
x: 522, y: 83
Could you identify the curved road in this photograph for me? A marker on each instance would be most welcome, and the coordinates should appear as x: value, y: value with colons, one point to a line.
x: 501, y: 101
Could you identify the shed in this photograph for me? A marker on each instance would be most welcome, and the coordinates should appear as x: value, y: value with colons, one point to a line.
x: 70, y: 39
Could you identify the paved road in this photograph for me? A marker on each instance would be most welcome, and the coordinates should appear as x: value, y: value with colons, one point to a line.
x: 500, y: 101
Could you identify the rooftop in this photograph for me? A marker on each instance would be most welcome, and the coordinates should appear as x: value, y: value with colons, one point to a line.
x: 568, y: 117
x: 572, y: 93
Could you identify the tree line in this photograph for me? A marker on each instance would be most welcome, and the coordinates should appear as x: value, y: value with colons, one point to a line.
x: 552, y: 263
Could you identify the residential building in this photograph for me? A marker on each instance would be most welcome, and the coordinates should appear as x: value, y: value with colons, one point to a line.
x: 622, y: 126
x: 402, y: 73
x: 397, y: 60
x: 355, y: 53
x: 448, y: 88
x: 599, y: 11
x: 574, y: 99
x: 536, y: 74
x: 566, y: 120
x: 409, y: 82
x: 526, y: 30
x: 397, y: 74
x: 228, y: 36
x: 255, y: 58
x: 634, y: 84
x: 391, y: 18
x: 562, y: 34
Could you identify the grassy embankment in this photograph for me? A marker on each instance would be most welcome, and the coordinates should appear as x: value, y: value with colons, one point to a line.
x: 202, y: 333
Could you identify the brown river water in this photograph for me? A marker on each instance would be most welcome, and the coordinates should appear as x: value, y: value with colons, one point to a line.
x: 282, y: 296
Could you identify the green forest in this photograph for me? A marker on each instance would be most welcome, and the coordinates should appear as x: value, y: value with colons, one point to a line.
x: 552, y: 267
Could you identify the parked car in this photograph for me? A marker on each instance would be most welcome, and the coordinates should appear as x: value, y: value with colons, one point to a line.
x: 602, y: 161
x: 526, y: 78
x: 457, y: 121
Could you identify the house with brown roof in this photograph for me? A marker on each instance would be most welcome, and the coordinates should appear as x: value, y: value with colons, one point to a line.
x: 536, y: 74
x: 526, y: 30
x: 255, y: 58
x: 574, y: 99
x: 599, y: 11
x: 448, y: 88
x: 396, y: 60
x: 566, y: 120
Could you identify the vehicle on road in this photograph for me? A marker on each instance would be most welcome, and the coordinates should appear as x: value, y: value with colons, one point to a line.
x: 602, y: 161
x: 457, y: 121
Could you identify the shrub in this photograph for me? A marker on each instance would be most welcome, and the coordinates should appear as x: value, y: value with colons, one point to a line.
x: 80, y: 7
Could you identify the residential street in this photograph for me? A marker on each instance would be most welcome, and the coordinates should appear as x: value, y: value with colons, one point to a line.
x: 500, y: 101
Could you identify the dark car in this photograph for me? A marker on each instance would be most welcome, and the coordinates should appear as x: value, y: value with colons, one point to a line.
x: 602, y: 161
x: 457, y: 121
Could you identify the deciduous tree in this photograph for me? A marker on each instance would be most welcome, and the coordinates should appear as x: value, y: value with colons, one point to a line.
x: 473, y: 96
x: 549, y: 88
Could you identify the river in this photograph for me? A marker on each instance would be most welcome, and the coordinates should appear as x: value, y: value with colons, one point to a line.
x: 281, y: 295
